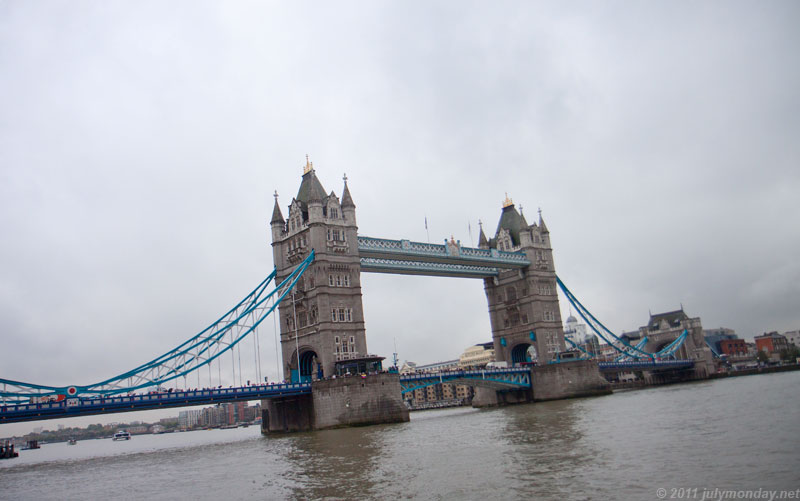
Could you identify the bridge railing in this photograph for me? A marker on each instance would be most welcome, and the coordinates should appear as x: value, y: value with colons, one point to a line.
x: 143, y: 400
x: 423, y: 267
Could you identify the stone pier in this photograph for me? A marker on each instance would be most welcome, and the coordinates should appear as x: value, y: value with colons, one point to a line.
x: 581, y: 378
x: 568, y: 380
x: 337, y: 403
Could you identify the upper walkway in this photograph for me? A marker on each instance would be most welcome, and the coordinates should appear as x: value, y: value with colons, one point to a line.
x: 382, y: 255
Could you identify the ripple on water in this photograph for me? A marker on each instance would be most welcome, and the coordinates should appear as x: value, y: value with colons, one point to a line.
x: 736, y: 433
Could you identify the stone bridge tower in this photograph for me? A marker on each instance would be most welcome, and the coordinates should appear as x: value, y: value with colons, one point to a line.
x: 523, y: 304
x: 327, y: 299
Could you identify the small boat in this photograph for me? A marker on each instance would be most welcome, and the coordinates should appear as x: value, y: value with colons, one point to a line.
x: 31, y: 444
x: 7, y: 450
x: 72, y: 441
x: 121, y: 435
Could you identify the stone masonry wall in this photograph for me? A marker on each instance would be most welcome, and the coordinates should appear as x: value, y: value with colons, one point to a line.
x: 568, y: 380
x: 353, y: 401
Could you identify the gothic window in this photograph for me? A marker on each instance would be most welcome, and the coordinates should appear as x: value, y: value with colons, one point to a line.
x: 506, y: 322
x: 349, y: 314
x: 524, y: 318
x: 334, y: 213
x: 341, y: 314
x: 548, y: 316
x: 336, y: 339
x: 347, y: 280
x: 512, y: 293
x: 333, y: 314
x: 513, y: 317
x: 302, y: 320
x: 330, y: 280
x: 329, y: 235
x: 338, y: 280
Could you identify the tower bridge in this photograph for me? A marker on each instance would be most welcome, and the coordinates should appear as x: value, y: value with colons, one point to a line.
x: 315, y: 293
x: 324, y: 325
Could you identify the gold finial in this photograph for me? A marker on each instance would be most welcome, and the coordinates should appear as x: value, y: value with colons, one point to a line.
x: 507, y: 202
x: 276, y: 196
x: 344, y: 177
x: 308, y: 166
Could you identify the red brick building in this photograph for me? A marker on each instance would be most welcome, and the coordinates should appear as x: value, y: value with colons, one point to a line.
x: 733, y: 347
x: 771, y: 343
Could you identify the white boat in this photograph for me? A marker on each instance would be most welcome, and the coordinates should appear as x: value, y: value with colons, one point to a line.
x: 121, y: 435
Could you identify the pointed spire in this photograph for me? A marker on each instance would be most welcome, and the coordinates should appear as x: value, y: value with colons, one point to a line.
x: 311, y: 189
x: 482, y: 240
x: 524, y: 221
x: 347, y: 200
x: 542, y: 226
x: 277, y: 216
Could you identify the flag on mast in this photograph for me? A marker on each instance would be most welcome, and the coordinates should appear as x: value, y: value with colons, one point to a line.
x: 426, y: 229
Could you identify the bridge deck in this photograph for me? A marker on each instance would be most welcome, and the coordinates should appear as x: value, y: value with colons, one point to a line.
x: 73, y: 407
x: 657, y: 365
x: 501, y: 379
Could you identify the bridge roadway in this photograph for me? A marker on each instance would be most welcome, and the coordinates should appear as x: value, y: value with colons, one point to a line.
x: 657, y: 365
x: 500, y: 379
x: 73, y: 407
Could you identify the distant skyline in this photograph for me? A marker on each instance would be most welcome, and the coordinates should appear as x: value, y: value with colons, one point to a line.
x: 141, y: 144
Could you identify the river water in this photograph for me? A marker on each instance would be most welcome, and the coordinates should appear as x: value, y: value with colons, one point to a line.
x: 732, y: 434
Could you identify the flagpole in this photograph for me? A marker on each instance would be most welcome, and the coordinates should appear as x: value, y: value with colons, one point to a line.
x: 426, y: 229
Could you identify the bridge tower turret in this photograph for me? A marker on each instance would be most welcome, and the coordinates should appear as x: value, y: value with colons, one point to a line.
x: 523, y: 304
x: 327, y: 303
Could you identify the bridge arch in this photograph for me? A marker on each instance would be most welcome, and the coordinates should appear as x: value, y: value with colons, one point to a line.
x: 523, y: 352
x: 309, y: 365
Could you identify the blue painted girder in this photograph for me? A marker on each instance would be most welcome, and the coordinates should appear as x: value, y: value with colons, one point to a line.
x: 510, y: 378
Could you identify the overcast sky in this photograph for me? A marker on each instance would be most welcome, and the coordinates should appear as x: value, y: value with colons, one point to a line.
x: 141, y: 143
